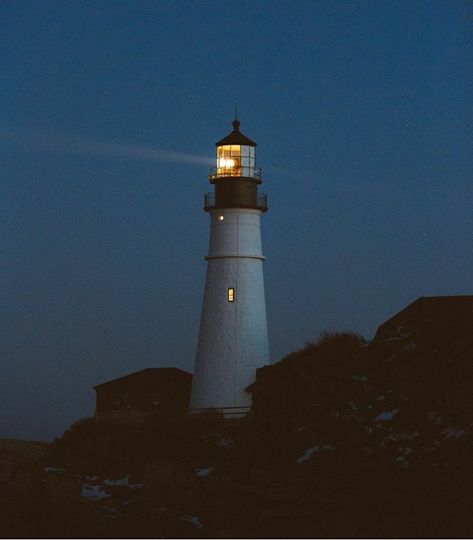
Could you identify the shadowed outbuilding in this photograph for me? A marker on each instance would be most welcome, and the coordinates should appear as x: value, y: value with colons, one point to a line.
x: 151, y: 391
x: 430, y: 317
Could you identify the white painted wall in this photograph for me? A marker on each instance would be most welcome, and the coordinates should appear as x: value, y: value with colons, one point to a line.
x: 233, y: 337
x: 237, y: 235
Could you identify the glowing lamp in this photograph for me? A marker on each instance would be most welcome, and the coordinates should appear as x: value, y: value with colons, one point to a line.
x: 225, y: 163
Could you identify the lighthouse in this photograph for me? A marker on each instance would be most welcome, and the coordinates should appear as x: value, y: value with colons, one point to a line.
x: 233, y: 336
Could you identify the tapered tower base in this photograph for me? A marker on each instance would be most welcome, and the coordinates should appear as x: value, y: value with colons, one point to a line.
x: 233, y: 338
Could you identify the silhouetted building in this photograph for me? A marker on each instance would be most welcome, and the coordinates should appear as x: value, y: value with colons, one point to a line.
x: 430, y: 317
x: 151, y: 391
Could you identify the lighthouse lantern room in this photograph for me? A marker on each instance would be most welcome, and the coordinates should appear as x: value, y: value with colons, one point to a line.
x: 233, y: 336
x: 235, y: 155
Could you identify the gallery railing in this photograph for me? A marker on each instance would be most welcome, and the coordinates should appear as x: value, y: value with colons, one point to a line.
x: 242, y: 172
x: 227, y: 413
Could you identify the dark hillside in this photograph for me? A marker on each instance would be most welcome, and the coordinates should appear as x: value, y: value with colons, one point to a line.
x: 382, y: 431
x: 346, y: 439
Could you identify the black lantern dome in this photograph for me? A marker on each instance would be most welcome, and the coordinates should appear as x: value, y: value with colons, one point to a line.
x: 236, y: 137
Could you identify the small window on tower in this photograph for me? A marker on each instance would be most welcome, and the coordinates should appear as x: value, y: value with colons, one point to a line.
x: 231, y: 294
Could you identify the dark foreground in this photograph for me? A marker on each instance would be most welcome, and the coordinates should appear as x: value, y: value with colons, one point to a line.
x: 346, y: 439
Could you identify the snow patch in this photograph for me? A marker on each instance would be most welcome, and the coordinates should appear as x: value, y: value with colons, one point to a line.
x: 54, y: 470
x: 193, y: 520
x: 402, y: 461
x: 453, y: 433
x: 361, y: 378
x: 386, y: 415
x: 203, y: 472
x: 328, y: 447
x: 122, y: 482
x: 311, y: 451
x: 226, y: 442
x: 94, y: 493
x: 110, y: 509
x: 308, y: 454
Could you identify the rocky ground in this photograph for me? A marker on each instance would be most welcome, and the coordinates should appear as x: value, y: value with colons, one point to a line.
x: 346, y: 439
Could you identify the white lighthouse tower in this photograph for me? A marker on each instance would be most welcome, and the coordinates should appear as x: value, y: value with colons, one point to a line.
x: 233, y: 337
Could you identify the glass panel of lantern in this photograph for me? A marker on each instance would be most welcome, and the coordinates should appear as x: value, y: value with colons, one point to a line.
x: 246, y: 164
x: 252, y: 157
x: 235, y: 150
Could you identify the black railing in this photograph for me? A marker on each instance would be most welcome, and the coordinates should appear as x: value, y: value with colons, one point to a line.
x: 242, y: 172
x: 221, y: 412
x: 261, y: 202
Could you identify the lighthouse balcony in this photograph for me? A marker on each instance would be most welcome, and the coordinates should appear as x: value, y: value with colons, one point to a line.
x: 235, y: 171
x: 259, y: 202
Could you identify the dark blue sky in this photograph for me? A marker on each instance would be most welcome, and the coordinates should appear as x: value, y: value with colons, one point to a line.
x: 109, y: 111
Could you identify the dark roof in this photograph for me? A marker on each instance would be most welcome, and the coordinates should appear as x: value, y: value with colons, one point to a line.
x: 236, y: 137
x: 148, y: 371
x: 446, y: 310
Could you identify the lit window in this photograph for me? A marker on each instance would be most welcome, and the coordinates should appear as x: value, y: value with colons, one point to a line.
x: 231, y: 294
x: 221, y: 218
